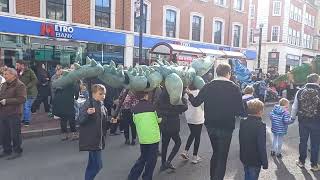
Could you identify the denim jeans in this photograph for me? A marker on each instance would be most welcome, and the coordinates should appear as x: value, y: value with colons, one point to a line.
x: 277, y: 143
x: 27, y: 109
x: 251, y: 172
x: 220, y: 142
x: 146, y: 161
x: 94, y: 165
x: 312, y: 129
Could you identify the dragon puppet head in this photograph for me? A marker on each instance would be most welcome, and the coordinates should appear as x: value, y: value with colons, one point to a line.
x: 202, y: 65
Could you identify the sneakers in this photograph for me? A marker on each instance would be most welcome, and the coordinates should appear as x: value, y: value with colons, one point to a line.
x: 196, y: 159
x: 166, y: 166
x: 26, y: 124
x: 133, y: 142
x: 74, y: 136
x: 273, y: 153
x: 299, y: 164
x: 315, y: 168
x: 64, y: 136
x: 184, y: 155
x: 127, y: 142
x: 279, y: 156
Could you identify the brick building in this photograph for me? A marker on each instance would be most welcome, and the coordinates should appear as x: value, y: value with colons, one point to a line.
x: 289, y: 33
x: 57, y: 31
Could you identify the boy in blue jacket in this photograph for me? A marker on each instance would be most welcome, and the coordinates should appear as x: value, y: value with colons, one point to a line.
x: 280, y: 119
x: 252, y: 136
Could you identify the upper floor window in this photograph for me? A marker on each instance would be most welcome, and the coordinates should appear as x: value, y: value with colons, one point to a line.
x: 251, y: 36
x: 103, y: 13
x: 275, y: 33
x: 196, y: 28
x: 218, y: 29
x: 276, y: 11
x: 56, y: 9
x: 171, y: 23
x: 4, y: 5
x: 137, y: 20
x: 252, y: 11
x: 236, y: 35
x: 238, y: 4
x: 291, y: 11
x: 220, y: 2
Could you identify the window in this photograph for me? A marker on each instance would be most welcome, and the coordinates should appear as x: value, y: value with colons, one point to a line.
x: 298, y: 42
x: 220, y: 2
x: 252, y: 11
x: 171, y: 22
x: 196, y: 28
x: 312, y: 21
x: 137, y: 20
x: 294, y: 37
x: 251, y: 36
x: 275, y: 33
x: 290, y: 36
x: 299, y: 15
x: 103, y: 13
x: 238, y: 4
x: 236, y: 35
x: 291, y: 11
x: 56, y: 9
x: 4, y: 5
x: 276, y: 8
x: 295, y: 16
x: 218, y: 32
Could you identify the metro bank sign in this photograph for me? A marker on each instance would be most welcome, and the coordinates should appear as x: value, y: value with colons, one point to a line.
x: 56, y: 30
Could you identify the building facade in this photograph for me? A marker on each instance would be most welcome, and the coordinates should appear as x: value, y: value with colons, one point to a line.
x: 65, y: 31
x: 289, y: 33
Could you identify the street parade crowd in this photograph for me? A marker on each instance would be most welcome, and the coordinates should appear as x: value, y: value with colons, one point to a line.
x: 150, y: 118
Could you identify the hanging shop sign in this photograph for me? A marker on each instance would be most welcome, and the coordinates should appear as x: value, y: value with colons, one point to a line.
x: 56, y: 30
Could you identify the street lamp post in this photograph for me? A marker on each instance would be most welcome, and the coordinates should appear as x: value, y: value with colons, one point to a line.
x: 260, y: 41
x: 140, y: 30
x: 259, y: 51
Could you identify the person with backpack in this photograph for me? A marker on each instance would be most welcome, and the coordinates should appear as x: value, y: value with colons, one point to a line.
x: 306, y: 107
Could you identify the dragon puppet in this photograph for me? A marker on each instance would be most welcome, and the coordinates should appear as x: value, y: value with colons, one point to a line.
x: 142, y: 77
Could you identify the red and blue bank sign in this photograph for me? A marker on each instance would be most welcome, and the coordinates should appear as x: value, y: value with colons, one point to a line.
x: 56, y: 30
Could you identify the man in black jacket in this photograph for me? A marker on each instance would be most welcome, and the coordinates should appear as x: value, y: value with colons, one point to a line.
x: 170, y: 127
x: 222, y: 102
x: 252, y: 138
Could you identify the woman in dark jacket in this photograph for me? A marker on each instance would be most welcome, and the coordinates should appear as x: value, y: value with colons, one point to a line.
x: 63, y: 107
x: 170, y: 127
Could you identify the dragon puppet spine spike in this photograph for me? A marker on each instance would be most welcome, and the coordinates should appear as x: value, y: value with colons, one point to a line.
x: 141, y: 77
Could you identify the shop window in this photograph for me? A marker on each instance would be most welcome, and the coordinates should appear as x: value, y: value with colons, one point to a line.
x: 236, y: 35
x: 9, y: 38
x: 4, y: 5
x: 105, y: 53
x: 218, y: 28
x: 171, y: 23
x: 145, y: 56
x: 103, y: 13
x: 137, y: 19
x: 56, y: 9
x: 196, y: 28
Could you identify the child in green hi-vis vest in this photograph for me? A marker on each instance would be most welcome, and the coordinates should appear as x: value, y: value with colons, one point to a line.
x: 146, y: 121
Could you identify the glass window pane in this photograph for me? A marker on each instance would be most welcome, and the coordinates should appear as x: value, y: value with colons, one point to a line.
x: 4, y: 5
x: 137, y: 20
x: 196, y: 28
x: 170, y: 23
x: 218, y: 32
x: 236, y: 36
x: 56, y: 10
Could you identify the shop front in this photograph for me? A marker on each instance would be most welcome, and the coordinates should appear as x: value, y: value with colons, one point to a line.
x: 52, y: 43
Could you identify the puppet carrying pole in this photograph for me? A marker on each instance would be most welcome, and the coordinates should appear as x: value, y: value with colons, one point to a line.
x: 117, y: 111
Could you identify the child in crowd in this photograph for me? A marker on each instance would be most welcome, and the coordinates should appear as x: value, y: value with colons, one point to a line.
x: 146, y: 122
x: 248, y: 95
x: 93, y: 122
x: 252, y: 136
x: 280, y: 119
x: 195, y: 120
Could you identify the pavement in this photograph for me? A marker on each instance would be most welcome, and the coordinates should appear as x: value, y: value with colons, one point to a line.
x: 48, y: 158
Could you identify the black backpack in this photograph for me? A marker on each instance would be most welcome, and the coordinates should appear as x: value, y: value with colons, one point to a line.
x: 309, y: 102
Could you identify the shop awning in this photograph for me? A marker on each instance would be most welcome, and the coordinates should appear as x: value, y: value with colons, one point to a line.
x: 232, y: 54
x: 212, y: 52
x: 168, y: 48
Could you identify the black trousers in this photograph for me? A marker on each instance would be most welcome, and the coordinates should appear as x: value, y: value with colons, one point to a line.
x: 128, y: 124
x: 220, y: 142
x: 146, y: 161
x: 11, y: 134
x: 64, y: 125
x: 37, y: 102
x: 195, y: 134
x: 166, y: 137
